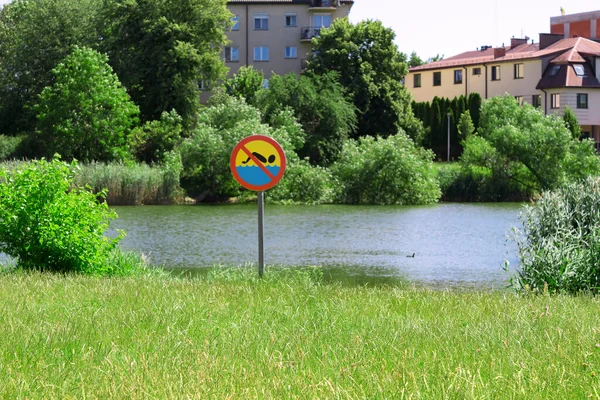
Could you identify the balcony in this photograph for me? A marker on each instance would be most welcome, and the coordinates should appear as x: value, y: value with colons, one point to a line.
x: 309, y: 32
x: 323, y: 5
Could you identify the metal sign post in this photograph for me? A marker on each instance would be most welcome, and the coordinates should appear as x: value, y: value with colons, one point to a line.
x: 261, y: 225
x: 258, y: 163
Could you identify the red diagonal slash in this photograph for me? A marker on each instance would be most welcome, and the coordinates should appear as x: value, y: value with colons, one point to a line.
x: 258, y: 163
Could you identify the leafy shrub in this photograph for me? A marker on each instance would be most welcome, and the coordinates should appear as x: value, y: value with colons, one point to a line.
x: 152, y: 141
x: 245, y: 83
x: 303, y: 183
x: 463, y: 182
x: 559, y: 247
x: 47, y: 225
x: 385, y: 171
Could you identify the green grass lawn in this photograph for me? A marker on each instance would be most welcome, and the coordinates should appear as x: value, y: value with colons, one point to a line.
x: 230, y: 335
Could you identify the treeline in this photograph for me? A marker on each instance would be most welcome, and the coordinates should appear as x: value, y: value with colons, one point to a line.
x: 436, y: 116
x: 116, y: 85
x: 119, y: 83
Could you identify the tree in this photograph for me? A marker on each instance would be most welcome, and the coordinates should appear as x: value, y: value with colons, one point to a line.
x: 161, y: 50
x: 571, y: 122
x: 415, y: 60
x: 531, y: 148
x: 85, y: 114
x: 435, y: 117
x: 319, y: 105
x: 371, y: 69
x: 245, y: 84
x: 465, y: 126
x: 34, y: 37
x: 435, y: 58
x: 474, y: 107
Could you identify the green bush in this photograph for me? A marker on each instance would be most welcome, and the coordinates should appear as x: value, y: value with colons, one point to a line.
x: 463, y: 182
x: 559, y: 247
x: 47, y: 225
x: 303, y: 183
x: 153, y: 141
x: 385, y: 171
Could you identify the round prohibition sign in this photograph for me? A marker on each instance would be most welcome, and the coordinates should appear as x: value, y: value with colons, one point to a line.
x: 257, y: 163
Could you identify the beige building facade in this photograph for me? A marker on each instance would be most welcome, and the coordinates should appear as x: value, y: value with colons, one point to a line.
x: 275, y: 35
x: 551, y: 74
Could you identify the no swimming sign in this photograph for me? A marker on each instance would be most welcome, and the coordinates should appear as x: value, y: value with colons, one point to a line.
x: 257, y: 163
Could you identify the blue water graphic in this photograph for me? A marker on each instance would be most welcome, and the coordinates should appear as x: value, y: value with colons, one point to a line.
x: 256, y: 176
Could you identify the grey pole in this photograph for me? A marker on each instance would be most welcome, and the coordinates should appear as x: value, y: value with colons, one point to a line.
x: 448, y: 158
x: 261, y: 225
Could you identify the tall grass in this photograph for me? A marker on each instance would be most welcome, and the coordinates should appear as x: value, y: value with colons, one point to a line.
x: 231, y: 335
x: 131, y: 184
x: 128, y: 184
x: 559, y: 247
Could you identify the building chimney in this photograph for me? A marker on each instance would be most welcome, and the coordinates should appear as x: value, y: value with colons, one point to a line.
x: 499, y: 52
x: 548, y: 39
x: 514, y: 42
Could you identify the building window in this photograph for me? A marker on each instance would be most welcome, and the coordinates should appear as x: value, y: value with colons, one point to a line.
x: 291, y: 52
x: 518, y: 71
x: 417, y: 80
x: 261, y: 53
x: 232, y: 54
x: 554, y: 70
x: 477, y: 71
x: 457, y: 76
x: 236, y: 23
x: 265, y: 84
x: 536, y: 100
x: 555, y: 100
x: 496, y: 73
x: 261, y: 22
x: 579, y: 70
x: 204, y: 85
x: 519, y: 100
x: 582, y: 100
x: 322, y: 20
x: 290, y: 19
x: 437, y: 79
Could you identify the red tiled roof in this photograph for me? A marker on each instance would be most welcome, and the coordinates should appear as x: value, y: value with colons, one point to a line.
x: 566, y: 77
x: 580, y: 45
x: 569, y: 56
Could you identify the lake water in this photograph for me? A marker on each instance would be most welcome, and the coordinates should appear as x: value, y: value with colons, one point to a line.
x: 454, y: 245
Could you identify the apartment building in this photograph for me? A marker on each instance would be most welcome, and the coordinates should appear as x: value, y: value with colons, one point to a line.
x: 585, y: 25
x: 551, y: 74
x: 274, y: 35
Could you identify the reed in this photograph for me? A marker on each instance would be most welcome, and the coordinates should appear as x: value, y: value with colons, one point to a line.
x: 131, y: 184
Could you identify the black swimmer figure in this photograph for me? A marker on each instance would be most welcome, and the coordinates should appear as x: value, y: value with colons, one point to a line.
x: 261, y: 158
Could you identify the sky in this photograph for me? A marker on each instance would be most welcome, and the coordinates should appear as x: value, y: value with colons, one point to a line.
x: 448, y: 28
x: 432, y: 27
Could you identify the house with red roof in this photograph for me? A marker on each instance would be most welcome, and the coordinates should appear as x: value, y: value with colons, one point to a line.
x: 551, y: 74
